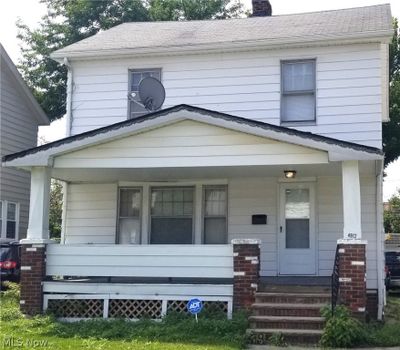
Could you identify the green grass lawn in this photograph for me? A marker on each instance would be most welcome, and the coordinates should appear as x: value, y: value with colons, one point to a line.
x: 388, y: 333
x: 175, y: 332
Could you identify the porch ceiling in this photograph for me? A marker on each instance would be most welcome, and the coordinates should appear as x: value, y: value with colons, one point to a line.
x: 192, y: 173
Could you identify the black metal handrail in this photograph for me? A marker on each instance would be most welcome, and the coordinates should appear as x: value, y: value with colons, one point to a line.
x: 335, y: 281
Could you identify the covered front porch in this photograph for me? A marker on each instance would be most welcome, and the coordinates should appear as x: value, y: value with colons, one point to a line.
x: 152, y: 207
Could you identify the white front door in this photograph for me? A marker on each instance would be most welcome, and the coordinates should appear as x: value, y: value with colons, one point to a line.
x: 297, y: 229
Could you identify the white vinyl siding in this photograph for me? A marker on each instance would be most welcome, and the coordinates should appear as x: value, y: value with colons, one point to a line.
x: 189, y: 143
x: 348, y: 88
x: 91, y: 213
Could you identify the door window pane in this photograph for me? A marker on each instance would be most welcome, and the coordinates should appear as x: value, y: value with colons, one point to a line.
x: 215, y: 220
x: 297, y: 215
x: 171, y: 216
x: 130, y: 200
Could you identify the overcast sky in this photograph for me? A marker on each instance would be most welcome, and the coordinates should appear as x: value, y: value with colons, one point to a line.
x: 30, y: 11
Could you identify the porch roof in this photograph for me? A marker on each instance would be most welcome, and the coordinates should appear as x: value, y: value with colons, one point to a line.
x: 337, y: 150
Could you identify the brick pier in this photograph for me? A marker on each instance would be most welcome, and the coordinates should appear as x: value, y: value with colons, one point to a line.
x: 33, y: 268
x: 352, y: 276
x: 246, y: 266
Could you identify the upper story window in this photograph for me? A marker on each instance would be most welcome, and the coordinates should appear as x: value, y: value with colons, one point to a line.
x: 298, y: 91
x: 9, y: 213
x: 135, y: 108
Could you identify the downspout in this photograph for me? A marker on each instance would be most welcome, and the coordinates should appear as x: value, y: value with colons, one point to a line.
x: 69, y: 97
x: 68, y: 123
x: 379, y: 239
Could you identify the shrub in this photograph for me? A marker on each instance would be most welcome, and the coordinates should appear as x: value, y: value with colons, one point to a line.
x: 341, y: 330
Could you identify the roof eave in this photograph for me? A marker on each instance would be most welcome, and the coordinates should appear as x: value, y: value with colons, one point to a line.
x: 382, y: 36
x: 337, y: 150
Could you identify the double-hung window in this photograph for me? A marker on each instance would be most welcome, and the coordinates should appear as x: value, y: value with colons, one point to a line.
x: 130, y: 202
x: 171, y: 215
x: 9, y: 217
x: 214, y: 215
x: 298, y: 91
x: 136, y: 108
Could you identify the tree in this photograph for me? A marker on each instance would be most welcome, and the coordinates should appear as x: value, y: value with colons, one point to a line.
x: 55, y: 210
x: 392, y: 214
x: 67, y: 22
x: 391, y: 129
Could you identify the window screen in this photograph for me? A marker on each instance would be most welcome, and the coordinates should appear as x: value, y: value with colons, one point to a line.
x: 172, y: 215
x: 136, y: 76
x: 215, y: 208
x: 298, y: 91
x: 130, y: 200
x: 11, y: 227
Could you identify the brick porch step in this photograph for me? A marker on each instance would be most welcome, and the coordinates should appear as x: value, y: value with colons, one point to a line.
x: 287, y: 309
x: 293, y: 298
x: 286, y: 322
x: 293, y: 336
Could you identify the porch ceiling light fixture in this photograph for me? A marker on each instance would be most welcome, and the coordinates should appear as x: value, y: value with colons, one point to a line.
x: 290, y: 174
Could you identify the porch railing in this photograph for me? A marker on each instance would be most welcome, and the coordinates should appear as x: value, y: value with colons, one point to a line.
x: 95, y: 296
x: 168, y: 261
x: 335, y: 281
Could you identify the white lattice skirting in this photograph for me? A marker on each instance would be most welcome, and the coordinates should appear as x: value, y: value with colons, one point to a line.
x: 73, y: 307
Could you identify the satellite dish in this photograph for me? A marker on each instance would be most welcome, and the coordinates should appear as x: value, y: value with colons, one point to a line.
x: 151, y: 93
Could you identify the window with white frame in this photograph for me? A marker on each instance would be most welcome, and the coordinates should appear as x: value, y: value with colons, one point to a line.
x: 130, y: 202
x: 171, y: 215
x: 136, y: 108
x: 215, y: 215
x: 298, y: 91
x: 9, y: 219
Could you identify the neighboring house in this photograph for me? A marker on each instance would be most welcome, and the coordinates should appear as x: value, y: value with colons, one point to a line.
x: 20, y: 116
x: 263, y: 168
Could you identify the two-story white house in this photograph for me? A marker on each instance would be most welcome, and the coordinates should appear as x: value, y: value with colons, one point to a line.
x: 270, y: 136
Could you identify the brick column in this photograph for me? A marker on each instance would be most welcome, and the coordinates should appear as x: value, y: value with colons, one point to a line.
x: 33, y: 267
x: 352, y: 276
x: 246, y: 262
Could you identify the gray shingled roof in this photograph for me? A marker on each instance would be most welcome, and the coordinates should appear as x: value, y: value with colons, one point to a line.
x: 355, y: 22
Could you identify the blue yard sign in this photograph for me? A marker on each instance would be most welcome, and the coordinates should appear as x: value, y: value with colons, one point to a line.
x: 194, y: 306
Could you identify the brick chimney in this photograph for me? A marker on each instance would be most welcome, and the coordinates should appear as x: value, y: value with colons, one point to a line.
x: 261, y: 8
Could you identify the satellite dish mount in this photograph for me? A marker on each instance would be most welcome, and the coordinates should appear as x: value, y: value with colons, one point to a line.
x: 151, y: 93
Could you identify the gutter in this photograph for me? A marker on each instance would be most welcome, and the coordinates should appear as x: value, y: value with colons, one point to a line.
x: 379, y: 240
x: 69, y: 97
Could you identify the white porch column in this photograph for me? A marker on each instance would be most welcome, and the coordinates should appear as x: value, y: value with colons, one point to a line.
x: 38, y: 227
x: 351, y: 200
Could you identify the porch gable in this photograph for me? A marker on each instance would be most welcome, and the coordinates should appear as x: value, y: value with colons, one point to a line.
x: 189, y: 143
